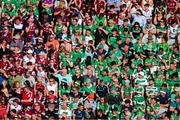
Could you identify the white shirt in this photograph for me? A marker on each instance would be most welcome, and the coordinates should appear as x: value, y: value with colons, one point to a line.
x: 31, y: 79
x: 26, y: 59
x: 147, y: 14
x: 67, y: 112
x: 20, y: 26
x: 173, y: 31
x: 140, y: 19
x: 18, y: 108
x: 41, y: 74
x: 52, y: 87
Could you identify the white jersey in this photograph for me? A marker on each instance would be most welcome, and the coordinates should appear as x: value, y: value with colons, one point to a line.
x: 26, y: 59
x: 173, y: 31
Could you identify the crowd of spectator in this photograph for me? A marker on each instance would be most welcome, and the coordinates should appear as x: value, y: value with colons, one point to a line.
x: 89, y: 59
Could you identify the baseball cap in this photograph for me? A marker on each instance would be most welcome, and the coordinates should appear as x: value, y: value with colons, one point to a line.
x: 127, y: 81
x: 17, y: 36
x: 29, y: 51
x: 42, y: 53
x: 110, y: 21
x: 113, y: 88
x: 150, y: 37
x: 141, y: 73
x: 100, y: 46
x: 162, y: 91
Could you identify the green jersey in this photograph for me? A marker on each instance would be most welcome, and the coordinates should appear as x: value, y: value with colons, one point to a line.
x: 127, y: 91
x: 73, y: 28
x: 150, y: 108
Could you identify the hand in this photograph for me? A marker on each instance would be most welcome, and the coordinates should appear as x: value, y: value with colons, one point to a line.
x: 163, y: 60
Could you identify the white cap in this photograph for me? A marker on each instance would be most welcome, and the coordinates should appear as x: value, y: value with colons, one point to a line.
x: 127, y: 81
x: 42, y: 53
x: 141, y: 73
x: 163, y: 91
x: 29, y: 51
x: 17, y: 37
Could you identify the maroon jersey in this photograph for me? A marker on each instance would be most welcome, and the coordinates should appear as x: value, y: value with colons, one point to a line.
x: 39, y: 111
x: 100, y: 5
x: 4, y: 65
x: 45, y: 29
x: 40, y: 86
x: 32, y: 29
x: 27, y: 96
x: 40, y: 99
x: 42, y: 61
x: 20, y: 70
x: 171, y: 6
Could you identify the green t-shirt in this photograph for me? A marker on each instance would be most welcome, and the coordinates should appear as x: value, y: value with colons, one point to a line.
x: 158, y: 83
x: 151, y: 90
x: 109, y: 29
x: 77, y: 55
x: 142, y: 82
x: 111, y: 115
x: 129, y: 72
x: 156, y: 107
x: 59, y: 28
x: 17, y: 3
x: 106, y: 79
x: 33, y: 2
x: 153, y: 61
x: 139, y: 103
x: 118, y: 53
x: 92, y: 28
x: 108, y: 60
x: 12, y: 13
x: 73, y: 105
x: 124, y: 36
x: 113, y: 69
x: 89, y: 90
x: 136, y: 62
x: 139, y: 90
x: 138, y: 48
x: 151, y: 47
x: 64, y: 90
x: 103, y: 107
x: 112, y: 40
x: 121, y: 29
x: 171, y: 82
x: 74, y: 28
x: 100, y: 20
x: 165, y: 47
x: 175, y: 116
x: 161, y: 28
x: 127, y: 91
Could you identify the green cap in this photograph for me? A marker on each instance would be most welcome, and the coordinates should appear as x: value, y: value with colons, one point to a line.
x: 101, y: 46
x: 111, y: 52
x: 139, y: 114
x: 110, y: 21
x: 163, y: 91
x: 88, y: 80
x: 113, y: 88
x: 80, y: 104
x: 151, y: 53
x: 150, y: 37
x: 101, y: 63
x: 159, y: 73
x: 115, y: 46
